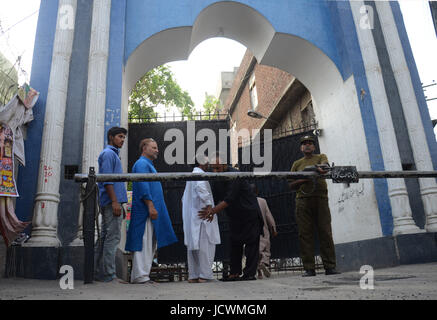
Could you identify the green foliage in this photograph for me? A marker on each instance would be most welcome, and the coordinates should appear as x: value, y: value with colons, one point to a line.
x: 158, y: 87
x: 211, y: 107
x: 8, y: 80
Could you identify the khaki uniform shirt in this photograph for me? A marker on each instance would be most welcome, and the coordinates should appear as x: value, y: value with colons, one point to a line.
x: 305, y: 190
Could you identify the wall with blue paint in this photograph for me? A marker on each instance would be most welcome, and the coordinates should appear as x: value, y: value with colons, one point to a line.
x: 308, y: 19
x: 42, y: 60
x: 417, y: 84
x: 328, y: 25
x: 341, y: 10
x: 115, y: 66
x: 398, y: 118
x: 68, y: 211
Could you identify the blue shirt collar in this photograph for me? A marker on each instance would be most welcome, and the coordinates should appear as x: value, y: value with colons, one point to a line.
x: 148, y: 160
x: 116, y: 150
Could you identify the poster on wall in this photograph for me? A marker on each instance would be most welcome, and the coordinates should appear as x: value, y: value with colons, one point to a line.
x: 7, y: 186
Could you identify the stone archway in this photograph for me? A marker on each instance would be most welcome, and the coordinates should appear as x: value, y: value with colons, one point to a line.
x: 288, y: 52
x: 85, y: 71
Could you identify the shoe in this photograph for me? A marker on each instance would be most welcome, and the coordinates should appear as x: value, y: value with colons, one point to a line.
x: 201, y: 280
x: 109, y: 279
x: 246, y: 278
x: 265, y: 271
x: 309, y: 273
x: 231, y: 277
x: 331, y: 271
x: 193, y: 280
x: 226, y: 279
x: 260, y: 275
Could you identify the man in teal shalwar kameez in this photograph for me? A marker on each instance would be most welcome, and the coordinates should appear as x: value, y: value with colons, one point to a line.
x: 150, y: 226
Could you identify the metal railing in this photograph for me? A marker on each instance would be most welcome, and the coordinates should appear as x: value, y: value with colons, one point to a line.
x: 178, y: 117
x: 338, y: 174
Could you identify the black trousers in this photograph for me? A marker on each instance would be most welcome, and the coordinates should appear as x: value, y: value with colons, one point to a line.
x: 246, y: 228
x: 251, y: 251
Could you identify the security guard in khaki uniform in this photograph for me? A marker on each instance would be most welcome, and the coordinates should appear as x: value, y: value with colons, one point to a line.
x: 312, y: 211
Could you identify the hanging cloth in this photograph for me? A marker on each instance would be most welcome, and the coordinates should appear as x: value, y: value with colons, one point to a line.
x: 13, y: 115
x: 10, y: 226
x: 17, y: 112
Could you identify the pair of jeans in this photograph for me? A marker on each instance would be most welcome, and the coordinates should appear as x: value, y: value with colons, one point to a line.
x: 106, y: 248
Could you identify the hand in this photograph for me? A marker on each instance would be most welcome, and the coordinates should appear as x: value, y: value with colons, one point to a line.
x: 295, y: 184
x: 206, y: 213
x: 322, y: 169
x: 153, y: 213
x: 274, y: 234
x: 116, y: 209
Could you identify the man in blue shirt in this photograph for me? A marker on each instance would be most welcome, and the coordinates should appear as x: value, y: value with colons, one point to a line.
x: 150, y: 225
x: 112, y: 196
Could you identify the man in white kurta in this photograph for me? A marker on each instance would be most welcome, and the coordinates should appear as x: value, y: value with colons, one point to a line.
x: 200, y: 236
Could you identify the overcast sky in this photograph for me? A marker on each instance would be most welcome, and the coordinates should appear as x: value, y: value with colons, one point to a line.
x: 200, y: 74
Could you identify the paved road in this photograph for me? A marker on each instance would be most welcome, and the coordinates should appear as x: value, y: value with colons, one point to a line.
x: 407, y: 282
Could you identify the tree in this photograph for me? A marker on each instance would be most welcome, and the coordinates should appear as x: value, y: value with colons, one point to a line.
x: 158, y: 87
x: 8, y: 80
x: 211, y: 107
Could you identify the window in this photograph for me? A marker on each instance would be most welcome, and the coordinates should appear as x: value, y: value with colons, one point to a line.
x: 70, y: 171
x: 253, y: 93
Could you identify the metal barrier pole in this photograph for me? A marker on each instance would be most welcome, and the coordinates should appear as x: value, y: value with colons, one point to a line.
x: 339, y: 174
x: 89, y: 214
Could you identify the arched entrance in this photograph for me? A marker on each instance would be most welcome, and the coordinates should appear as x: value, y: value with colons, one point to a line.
x: 85, y: 72
x: 308, y: 54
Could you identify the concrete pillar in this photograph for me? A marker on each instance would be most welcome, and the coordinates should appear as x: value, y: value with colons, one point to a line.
x: 416, y: 131
x: 45, y: 216
x: 400, y: 204
x: 94, y: 125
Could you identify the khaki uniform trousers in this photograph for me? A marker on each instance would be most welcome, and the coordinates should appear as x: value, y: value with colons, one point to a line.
x: 313, y: 213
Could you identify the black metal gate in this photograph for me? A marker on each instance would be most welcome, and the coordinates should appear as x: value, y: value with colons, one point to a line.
x: 280, y: 199
x: 173, y: 190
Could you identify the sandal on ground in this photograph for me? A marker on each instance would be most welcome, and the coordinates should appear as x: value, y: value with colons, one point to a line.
x: 265, y: 270
x: 145, y: 282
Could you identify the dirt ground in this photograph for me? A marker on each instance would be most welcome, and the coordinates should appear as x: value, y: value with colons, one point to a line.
x: 406, y: 282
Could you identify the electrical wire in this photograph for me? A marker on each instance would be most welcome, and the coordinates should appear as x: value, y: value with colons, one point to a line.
x: 4, y: 32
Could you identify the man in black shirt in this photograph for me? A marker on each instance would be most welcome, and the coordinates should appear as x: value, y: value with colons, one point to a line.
x: 245, y: 220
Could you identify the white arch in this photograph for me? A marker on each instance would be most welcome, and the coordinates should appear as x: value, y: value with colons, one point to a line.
x: 235, y: 21
x: 306, y: 62
x: 244, y: 24
x: 165, y: 46
x: 335, y: 100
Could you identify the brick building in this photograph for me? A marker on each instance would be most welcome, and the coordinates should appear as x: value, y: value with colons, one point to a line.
x: 282, y: 100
